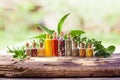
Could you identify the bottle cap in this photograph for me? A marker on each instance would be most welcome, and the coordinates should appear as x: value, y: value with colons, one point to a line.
x: 82, y: 45
x: 41, y: 45
x: 27, y: 44
x: 89, y: 45
x: 47, y: 36
x: 34, y: 44
x: 68, y: 35
x: 75, y: 44
x: 54, y: 35
x: 61, y: 34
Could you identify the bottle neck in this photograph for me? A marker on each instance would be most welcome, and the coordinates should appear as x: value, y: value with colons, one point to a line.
x: 47, y: 36
x: 75, y: 44
x: 68, y: 36
x: 54, y: 35
x: 27, y: 45
x: 89, y: 45
x: 82, y: 45
x: 34, y: 45
x: 41, y: 45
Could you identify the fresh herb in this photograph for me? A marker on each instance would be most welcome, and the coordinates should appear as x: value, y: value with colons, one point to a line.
x: 100, y: 50
x: 76, y: 33
x: 60, y: 24
x: 19, y: 53
x: 49, y: 31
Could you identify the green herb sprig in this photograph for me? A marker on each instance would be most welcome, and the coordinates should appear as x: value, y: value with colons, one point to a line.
x: 99, y: 48
x: 19, y: 53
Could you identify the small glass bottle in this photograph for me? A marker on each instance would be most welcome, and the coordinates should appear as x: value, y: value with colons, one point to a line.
x: 48, y: 46
x: 75, y: 50
x: 28, y: 50
x: 68, y: 45
x: 41, y: 51
x: 89, y: 51
x: 61, y: 45
x: 34, y: 50
x: 82, y: 51
x: 54, y: 45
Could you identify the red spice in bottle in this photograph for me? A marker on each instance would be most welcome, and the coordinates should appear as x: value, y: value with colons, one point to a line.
x: 54, y: 45
x: 34, y: 50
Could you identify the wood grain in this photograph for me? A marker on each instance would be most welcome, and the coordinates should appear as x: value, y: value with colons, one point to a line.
x: 60, y: 67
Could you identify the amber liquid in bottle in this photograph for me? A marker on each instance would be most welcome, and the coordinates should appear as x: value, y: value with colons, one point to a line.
x: 68, y: 46
x: 41, y: 51
x: 82, y: 51
x: 75, y: 50
x: 61, y: 45
x: 48, y: 46
x: 28, y: 50
x: 89, y: 51
x: 34, y: 50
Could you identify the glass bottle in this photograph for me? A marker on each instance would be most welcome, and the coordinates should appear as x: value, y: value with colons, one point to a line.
x: 48, y: 46
x: 89, y: 51
x: 68, y: 45
x: 82, y: 51
x: 28, y: 50
x: 41, y: 51
x: 54, y: 45
x: 75, y: 50
x: 34, y: 50
x: 61, y: 45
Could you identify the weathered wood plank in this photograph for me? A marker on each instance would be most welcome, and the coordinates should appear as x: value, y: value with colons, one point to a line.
x: 60, y: 67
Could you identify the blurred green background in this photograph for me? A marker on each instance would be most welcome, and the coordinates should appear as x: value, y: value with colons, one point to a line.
x: 100, y: 19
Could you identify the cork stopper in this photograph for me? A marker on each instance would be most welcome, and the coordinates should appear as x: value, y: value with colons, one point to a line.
x: 89, y: 45
x: 41, y: 45
x: 34, y: 44
x: 82, y: 45
x: 47, y: 36
x: 61, y: 34
x: 75, y: 44
x: 68, y: 35
x: 27, y: 44
x: 54, y: 35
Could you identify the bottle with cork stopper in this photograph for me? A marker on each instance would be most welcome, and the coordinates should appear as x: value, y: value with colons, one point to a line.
x: 89, y: 50
x: 68, y: 45
x: 54, y: 45
x: 48, y: 46
x: 75, y: 50
x: 34, y: 50
x: 28, y: 50
x: 61, y: 45
x: 41, y: 50
x: 82, y: 50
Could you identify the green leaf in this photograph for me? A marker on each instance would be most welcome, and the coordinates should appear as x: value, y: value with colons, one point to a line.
x: 40, y: 36
x: 65, y: 36
x: 45, y: 29
x: 10, y: 50
x: 60, y: 24
x: 110, y: 49
x: 76, y: 32
x: 15, y: 56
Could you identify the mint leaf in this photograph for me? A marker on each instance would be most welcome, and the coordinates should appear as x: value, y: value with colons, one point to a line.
x: 110, y: 49
x: 76, y: 32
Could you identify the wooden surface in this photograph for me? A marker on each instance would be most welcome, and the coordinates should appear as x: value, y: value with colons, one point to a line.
x: 60, y: 67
